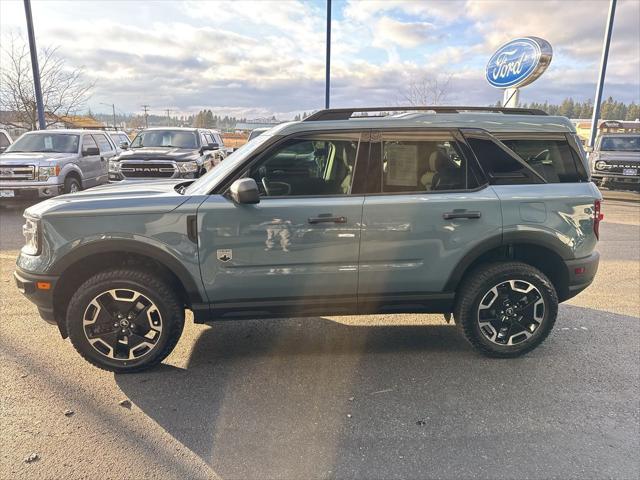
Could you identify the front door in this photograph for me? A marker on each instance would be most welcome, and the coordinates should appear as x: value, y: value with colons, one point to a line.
x: 296, y: 250
x: 426, y: 210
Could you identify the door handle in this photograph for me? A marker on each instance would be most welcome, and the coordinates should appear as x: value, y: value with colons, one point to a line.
x: 327, y: 219
x: 460, y: 214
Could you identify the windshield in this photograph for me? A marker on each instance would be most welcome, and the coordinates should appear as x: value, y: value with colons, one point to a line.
x: 46, y: 142
x: 204, y: 184
x: 166, y: 138
x: 620, y: 144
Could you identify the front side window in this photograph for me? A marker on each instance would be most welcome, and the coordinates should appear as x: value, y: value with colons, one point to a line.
x: 552, y: 159
x: 423, y: 162
x: 103, y: 143
x: 314, y: 165
x: 620, y: 144
x: 166, y: 139
x: 46, y: 142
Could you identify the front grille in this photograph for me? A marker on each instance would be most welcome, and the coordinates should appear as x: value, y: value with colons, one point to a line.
x: 17, y: 172
x: 618, y: 167
x: 147, y: 169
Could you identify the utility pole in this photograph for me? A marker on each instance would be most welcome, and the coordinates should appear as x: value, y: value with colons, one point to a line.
x: 146, y: 115
x: 603, y: 71
x: 327, y: 83
x: 34, y: 66
x: 168, y: 117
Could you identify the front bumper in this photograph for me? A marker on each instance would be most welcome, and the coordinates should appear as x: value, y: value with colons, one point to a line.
x: 30, y: 192
x: 602, y: 178
x: 581, y: 272
x: 34, y: 287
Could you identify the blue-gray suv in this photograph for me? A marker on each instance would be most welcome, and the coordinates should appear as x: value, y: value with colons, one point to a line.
x: 484, y: 214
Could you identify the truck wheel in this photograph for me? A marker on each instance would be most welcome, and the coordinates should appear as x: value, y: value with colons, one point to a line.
x: 506, y: 309
x: 125, y: 320
x: 72, y: 185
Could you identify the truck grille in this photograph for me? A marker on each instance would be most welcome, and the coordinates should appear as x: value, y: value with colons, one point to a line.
x: 147, y: 169
x: 618, y: 166
x: 17, y: 172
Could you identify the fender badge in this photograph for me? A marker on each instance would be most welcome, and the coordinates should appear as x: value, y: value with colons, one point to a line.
x: 224, y: 255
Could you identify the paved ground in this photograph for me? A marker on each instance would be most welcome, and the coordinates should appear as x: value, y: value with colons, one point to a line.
x: 352, y: 397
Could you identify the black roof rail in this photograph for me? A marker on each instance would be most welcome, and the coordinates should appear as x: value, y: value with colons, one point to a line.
x: 346, y: 113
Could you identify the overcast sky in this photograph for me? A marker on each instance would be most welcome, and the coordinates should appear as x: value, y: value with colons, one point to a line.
x: 261, y: 58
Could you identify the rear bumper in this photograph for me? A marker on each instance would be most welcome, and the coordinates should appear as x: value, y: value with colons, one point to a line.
x: 581, y: 272
x: 33, y: 286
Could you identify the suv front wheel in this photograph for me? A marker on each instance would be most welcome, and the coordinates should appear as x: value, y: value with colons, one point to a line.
x: 506, y: 309
x: 125, y: 320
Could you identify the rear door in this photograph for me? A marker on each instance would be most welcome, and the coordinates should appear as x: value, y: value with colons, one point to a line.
x: 297, y: 249
x: 426, y: 208
x: 91, y: 165
x: 107, y: 150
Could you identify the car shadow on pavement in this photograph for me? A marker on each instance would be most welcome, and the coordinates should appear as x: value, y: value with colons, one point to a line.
x: 312, y: 398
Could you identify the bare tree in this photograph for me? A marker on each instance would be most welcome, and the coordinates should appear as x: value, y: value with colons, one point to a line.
x: 64, y: 91
x: 426, y: 91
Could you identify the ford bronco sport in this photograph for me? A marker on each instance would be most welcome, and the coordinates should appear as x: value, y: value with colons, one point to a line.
x: 484, y: 213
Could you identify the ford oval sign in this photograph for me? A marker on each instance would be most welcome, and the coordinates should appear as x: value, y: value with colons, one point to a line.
x: 519, y: 62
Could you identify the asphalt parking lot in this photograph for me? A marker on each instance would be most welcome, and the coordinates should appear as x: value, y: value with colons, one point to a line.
x: 399, y: 396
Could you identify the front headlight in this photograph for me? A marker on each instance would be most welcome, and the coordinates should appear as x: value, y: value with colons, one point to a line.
x: 188, y: 167
x: 45, y: 172
x: 114, y: 166
x: 31, y: 232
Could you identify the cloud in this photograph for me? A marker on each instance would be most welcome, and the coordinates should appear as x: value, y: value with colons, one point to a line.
x: 265, y: 57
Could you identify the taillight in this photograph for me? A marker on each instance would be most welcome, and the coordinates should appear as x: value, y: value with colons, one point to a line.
x: 597, y: 218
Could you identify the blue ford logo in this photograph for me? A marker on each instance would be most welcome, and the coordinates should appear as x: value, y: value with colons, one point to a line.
x: 519, y: 62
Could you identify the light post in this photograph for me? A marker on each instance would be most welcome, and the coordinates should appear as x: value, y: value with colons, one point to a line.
x: 113, y: 109
x: 34, y: 65
x: 328, y: 60
x: 603, y: 71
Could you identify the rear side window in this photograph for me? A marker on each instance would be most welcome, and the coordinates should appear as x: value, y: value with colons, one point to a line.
x: 4, y: 141
x: 552, y: 159
x: 499, y: 165
x: 422, y: 162
x: 103, y: 143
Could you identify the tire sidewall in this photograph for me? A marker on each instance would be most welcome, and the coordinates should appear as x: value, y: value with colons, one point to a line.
x: 80, y: 302
x: 68, y: 182
x: 550, y: 311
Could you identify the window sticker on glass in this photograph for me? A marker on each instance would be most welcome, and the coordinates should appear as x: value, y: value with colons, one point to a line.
x: 48, y: 143
x: 401, y: 164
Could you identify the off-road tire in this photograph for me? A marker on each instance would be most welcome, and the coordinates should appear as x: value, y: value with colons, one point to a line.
x: 151, y: 286
x: 70, y: 183
x: 474, y: 287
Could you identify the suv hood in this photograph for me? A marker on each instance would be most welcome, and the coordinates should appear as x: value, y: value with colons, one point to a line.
x: 28, y: 158
x: 154, y: 153
x: 123, y: 198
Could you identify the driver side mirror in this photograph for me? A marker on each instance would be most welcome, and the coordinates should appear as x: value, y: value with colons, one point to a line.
x: 89, y: 151
x: 245, y: 191
x: 588, y: 149
x: 210, y: 146
x: 124, y: 145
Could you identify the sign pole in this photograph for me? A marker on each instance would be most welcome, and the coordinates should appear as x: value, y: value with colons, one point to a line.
x: 328, y: 61
x: 603, y: 71
x: 34, y: 66
x: 511, y: 97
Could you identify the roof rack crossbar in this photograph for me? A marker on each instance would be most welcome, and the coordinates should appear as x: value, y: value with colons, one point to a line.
x: 346, y: 113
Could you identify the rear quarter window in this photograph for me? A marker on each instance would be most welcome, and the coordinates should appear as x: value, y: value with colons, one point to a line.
x: 553, y: 159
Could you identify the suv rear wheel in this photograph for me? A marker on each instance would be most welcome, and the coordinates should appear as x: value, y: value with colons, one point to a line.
x: 124, y: 320
x: 506, y: 309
